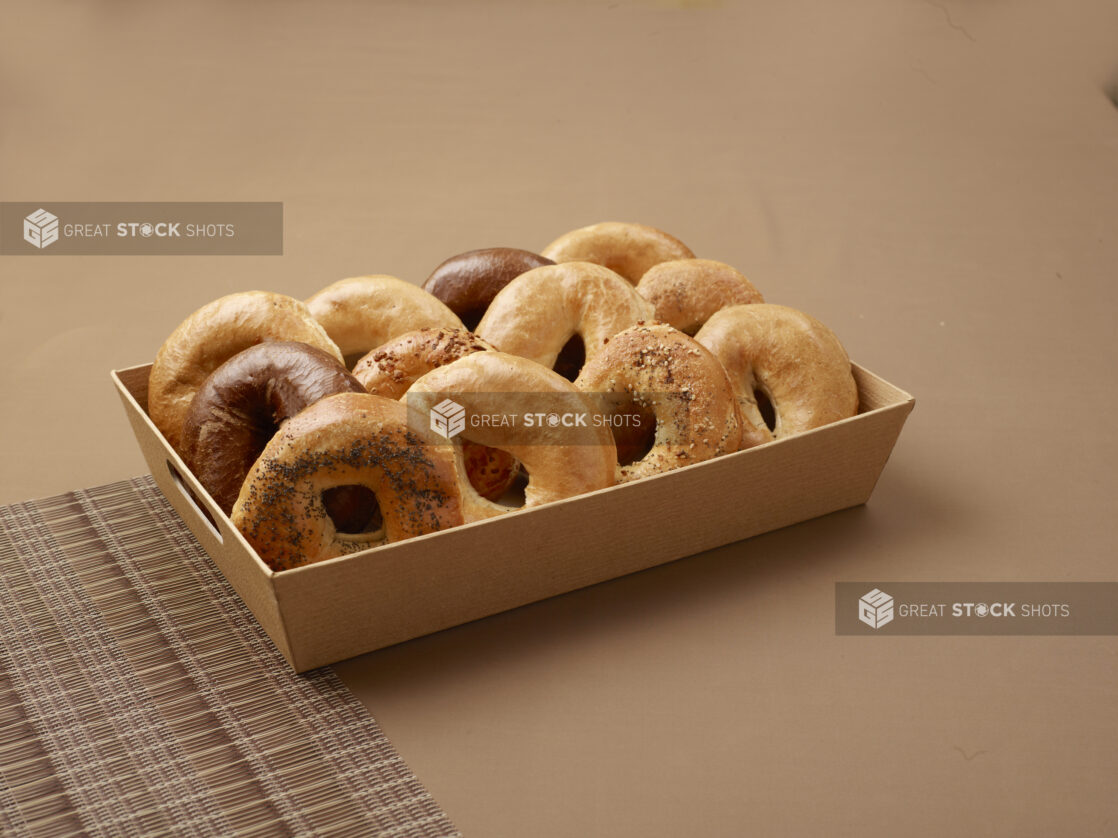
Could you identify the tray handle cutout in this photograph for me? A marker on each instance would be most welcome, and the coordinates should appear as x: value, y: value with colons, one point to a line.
x: 192, y: 499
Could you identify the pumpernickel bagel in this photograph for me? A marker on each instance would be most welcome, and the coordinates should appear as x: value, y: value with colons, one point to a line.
x: 214, y: 334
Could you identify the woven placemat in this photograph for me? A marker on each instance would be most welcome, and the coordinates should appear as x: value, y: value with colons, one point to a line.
x: 138, y: 696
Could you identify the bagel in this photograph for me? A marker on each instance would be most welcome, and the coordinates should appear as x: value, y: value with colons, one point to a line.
x: 559, y: 462
x: 214, y: 334
x: 662, y: 370
x: 351, y: 439
x: 536, y: 314
x: 362, y: 312
x: 242, y: 404
x: 686, y: 292
x: 468, y: 282
x: 795, y: 362
x: 626, y: 248
x: 391, y: 369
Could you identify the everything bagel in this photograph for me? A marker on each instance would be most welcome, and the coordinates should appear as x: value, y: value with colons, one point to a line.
x: 668, y: 374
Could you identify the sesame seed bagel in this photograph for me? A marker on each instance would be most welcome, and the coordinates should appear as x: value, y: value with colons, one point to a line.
x: 795, y: 361
x: 686, y: 292
x: 559, y: 463
x: 626, y: 248
x: 538, y: 312
x: 351, y: 439
x: 362, y: 312
x: 666, y: 372
x: 391, y: 368
x: 211, y: 336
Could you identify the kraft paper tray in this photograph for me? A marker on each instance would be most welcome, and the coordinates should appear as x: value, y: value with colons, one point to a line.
x: 346, y: 606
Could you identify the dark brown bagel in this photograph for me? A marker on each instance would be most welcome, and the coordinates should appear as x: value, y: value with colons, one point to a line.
x: 242, y: 403
x: 214, y: 334
x: 468, y: 282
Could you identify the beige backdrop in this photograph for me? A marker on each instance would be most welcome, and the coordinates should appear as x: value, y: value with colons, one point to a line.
x: 938, y: 182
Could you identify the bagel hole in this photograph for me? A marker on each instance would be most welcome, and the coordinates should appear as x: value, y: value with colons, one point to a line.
x: 471, y: 318
x: 571, y: 358
x: 351, y: 359
x: 765, y: 405
x: 515, y: 496
x: 491, y: 471
x: 353, y: 509
x: 634, y: 431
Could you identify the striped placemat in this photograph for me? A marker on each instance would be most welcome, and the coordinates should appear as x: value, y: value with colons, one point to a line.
x: 138, y: 696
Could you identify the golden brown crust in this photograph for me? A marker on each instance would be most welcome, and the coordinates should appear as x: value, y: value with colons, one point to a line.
x: 796, y: 361
x: 362, y: 312
x: 686, y: 292
x: 490, y: 383
x: 624, y: 247
x: 390, y: 369
x: 664, y: 370
x: 214, y: 334
x: 347, y: 439
x: 538, y: 312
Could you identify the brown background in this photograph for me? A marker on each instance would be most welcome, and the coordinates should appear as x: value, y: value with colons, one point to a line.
x: 938, y: 182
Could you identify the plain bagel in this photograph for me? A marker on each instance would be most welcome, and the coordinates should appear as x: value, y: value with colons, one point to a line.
x: 559, y: 462
x: 389, y: 371
x: 793, y: 360
x: 686, y: 292
x: 362, y: 312
x: 536, y: 314
x: 624, y: 247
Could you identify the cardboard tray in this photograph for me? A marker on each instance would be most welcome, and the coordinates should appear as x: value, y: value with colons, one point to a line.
x: 346, y: 606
